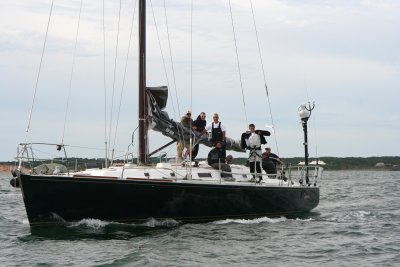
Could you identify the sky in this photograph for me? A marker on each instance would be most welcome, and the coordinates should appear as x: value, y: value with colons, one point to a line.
x: 342, y: 55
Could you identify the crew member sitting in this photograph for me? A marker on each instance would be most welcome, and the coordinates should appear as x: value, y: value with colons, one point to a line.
x: 216, y: 159
x: 269, y: 161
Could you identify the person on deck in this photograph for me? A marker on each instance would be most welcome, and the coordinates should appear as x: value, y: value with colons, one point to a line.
x: 218, y: 130
x: 186, y: 122
x: 199, y: 125
x: 216, y: 159
x: 269, y: 161
x: 252, y: 141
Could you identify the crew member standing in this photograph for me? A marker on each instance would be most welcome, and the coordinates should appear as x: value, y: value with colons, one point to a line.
x: 199, y: 125
x: 186, y: 122
x: 218, y: 130
x: 252, y: 141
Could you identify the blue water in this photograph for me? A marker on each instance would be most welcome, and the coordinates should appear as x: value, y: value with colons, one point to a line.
x: 356, y: 223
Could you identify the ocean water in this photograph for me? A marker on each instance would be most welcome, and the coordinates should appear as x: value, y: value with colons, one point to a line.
x: 357, y: 223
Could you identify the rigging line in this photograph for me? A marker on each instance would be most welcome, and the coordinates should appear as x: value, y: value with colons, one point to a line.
x: 172, y: 65
x: 191, y: 55
x: 124, y: 77
x: 105, y: 89
x: 238, y: 62
x: 191, y: 81
x: 264, y: 76
x: 172, y: 62
x: 115, y: 70
x: 38, y: 75
x: 88, y: 148
x: 163, y: 60
x: 72, y: 73
x: 162, y: 57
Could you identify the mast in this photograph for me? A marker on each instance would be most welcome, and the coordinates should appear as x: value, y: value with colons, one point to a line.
x: 143, y: 112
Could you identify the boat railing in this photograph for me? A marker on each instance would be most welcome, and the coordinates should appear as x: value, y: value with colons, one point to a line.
x: 27, y: 157
x: 285, y: 173
x: 31, y: 155
x: 299, y: 173
x: 289, y: 174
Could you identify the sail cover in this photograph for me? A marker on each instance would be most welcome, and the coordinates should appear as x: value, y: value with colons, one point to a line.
x: 159, y: 121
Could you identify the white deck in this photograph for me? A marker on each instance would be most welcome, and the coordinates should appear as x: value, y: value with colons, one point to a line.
x: 187, y: 173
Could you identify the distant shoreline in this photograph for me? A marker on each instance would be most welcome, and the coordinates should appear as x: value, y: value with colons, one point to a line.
x: 6, y: 167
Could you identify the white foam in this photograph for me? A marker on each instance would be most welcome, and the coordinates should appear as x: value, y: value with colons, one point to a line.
x: 252, y: 221
x: 90, y: 223
x: 154, y: 223
x: 362, y: 213
x: 305, y: 220
x: 353, y: 215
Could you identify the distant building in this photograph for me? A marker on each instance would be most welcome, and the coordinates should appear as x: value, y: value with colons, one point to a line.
x: 380, y: 165
x: 314, y: 162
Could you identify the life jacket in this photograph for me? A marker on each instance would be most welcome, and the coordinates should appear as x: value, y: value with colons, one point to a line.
x: 216, y: 133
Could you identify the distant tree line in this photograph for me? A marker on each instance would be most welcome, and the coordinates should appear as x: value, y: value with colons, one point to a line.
x: 348, y: 163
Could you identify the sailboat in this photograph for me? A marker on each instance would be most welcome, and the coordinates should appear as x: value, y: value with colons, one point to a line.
x: 180, y: 191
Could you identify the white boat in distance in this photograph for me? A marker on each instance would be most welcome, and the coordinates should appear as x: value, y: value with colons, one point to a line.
x: 313, y: 163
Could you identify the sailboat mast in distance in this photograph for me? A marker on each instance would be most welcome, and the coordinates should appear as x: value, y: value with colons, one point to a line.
x: 143, y: 112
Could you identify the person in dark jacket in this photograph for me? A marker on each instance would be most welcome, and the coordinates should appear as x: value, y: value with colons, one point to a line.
x: 269, y: 161
x: 199, y: 125
x: 216, y: 159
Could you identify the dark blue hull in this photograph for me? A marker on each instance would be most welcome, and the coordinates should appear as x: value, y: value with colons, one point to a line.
x: 130, y: 201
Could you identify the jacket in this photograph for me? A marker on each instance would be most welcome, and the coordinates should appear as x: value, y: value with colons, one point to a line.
x: 200, y: 124
x: 247, y: 134
x: 216, y: 156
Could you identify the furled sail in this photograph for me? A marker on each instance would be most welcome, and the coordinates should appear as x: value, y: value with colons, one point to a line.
x: 159, y: 121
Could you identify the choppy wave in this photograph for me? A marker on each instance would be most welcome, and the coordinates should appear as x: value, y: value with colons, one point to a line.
x: 252, y: 221
x: 89, y: 223
x: 155, y: 223
x: 98, y: 224
x: 356, y: 223
x: 352, y: 216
